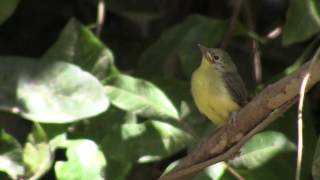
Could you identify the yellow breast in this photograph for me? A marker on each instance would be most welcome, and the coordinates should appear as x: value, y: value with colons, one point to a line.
x: 211, y: 96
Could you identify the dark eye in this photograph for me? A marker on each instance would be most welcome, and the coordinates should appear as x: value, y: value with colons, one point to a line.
x: 216, y: 57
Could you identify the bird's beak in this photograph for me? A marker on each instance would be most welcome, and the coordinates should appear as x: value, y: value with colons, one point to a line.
x: 203, y: 49
x: 205, y: 52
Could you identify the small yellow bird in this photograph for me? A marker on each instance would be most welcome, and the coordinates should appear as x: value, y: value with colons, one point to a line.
x: 216, y: 86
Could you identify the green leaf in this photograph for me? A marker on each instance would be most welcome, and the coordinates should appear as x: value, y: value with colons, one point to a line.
x: 149, y: 141
x: 143, y: 10
x: 77, y: 44
x: 10, y: 156
x: 52, y: 92
x: 262, y: 148
x: 178, y: 45
x: 301, y: 23
x: 37, y: 155
x: 316, y: 162
x: 140, y: 97
x: 268, y: 155
x: 215, y: 171
x: 117, y: 170
x: 314, y: 8
x: 85, y: 161
x: 7, y: 8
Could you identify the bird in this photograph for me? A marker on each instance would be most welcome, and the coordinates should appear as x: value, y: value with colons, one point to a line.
x: 216, y: 86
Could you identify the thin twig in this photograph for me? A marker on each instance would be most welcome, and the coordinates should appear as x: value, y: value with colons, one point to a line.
x: 254, y: 43
x: 233, y: 21
x: 233, y: 171
x: 100, y: 16
x: 300, y: 118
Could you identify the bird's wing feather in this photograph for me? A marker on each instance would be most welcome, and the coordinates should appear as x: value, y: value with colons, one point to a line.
x: 236, y: 87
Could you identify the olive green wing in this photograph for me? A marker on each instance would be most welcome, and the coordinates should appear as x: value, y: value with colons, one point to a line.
x: 236, y: 87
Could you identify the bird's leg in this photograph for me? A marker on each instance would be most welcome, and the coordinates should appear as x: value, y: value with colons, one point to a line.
x: 233, y: 116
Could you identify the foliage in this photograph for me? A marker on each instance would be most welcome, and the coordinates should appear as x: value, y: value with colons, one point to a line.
x: 119, y: 105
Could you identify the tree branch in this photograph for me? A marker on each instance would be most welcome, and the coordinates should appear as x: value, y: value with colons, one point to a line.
x: 266, y: 107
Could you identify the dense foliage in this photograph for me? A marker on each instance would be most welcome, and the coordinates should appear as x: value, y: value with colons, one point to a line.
x: 75, y: 105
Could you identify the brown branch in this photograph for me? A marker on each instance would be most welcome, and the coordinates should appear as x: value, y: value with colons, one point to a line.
x: 266, y: 107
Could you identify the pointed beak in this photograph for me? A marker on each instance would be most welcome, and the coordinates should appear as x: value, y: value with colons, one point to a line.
x: 204, y: 50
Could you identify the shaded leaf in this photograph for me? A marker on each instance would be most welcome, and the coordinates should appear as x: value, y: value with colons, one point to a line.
x: 300, y: 24
x: 77, y: 44
x: 10, y: 156
x: 140, y: 97
x: 144, y: 10
x: 180, y: 44
x: 316, y: 162
x: 7, y: 8
x: 117, y: 170
x: 85, y: 161
x: 55, y: 92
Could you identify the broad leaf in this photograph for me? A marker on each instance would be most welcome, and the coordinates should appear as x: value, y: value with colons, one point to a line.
x: 178, y: 46
x: 10, y: 156
x: 37, y: 154
x: 55, y: 92
x: 7, y: 8
x: 266, y: 156
x: 85, y: 161
x: 77, y: 44
x: 148, y: 141
x: 300, y: 24
x: 140, y: 97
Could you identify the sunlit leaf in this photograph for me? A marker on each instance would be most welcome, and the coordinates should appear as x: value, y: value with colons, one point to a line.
x: 266, y: 155
x: 10, y: 156
x: 7, y: 8
x: 77, y: 44
x: 215, y: 171
x: 55, y: 92
x: 262, y: 148
x: 37, y: 154
x: 140, y: 97
x: 148, y: 141
x: 85, y: 161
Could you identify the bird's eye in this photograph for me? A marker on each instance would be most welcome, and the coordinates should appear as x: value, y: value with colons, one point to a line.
x: 216, y: 57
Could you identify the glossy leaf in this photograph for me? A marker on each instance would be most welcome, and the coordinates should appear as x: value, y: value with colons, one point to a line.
x: 77, y: 44
x: 140, y: 97
x: 85, y: 161
x: 55, y: 92
x: 37, y: 155
x: 266, y: 155
x: 10, y: 156
x: 262, y: 148
x: 151, y: 141
x: 7, y: 8
x: 301, y: 24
